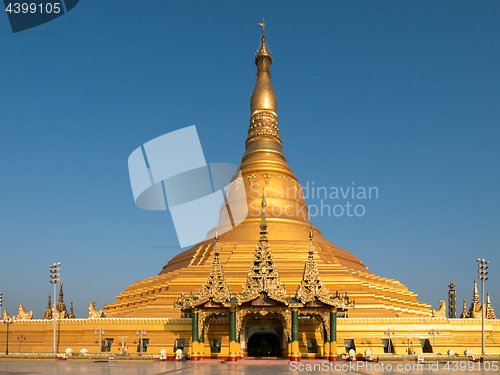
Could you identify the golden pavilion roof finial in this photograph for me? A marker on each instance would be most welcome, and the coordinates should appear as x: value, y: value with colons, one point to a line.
x: 216, y: 249
x: 311, y: 286
x: 311, y: 248
x: 215, y: 288
x: 263, y: 222
x: 263, y: 274
x: 263, y: 277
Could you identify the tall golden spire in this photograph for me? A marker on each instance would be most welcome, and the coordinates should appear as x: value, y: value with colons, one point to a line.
x: 263, y: 133
x: 465, y: 314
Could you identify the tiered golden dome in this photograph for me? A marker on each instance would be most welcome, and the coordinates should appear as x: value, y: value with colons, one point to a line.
x: 264, y: 166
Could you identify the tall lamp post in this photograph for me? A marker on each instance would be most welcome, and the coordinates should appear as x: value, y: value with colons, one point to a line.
x: 100, y: 332
x: 54, y: 279
x: 1, y: 305
x: 389, y: 346
x: 9, y: 321
x: 433, y: 332
x: 141, y: 332
x: 482, y: 265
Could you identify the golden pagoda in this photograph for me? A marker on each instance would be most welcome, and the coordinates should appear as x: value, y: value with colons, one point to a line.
x: 264, y: 168
x: 225, y: 296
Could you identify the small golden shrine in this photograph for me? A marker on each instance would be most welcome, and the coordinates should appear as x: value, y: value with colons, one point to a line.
x: 476, y: 309
x: 61, y: 311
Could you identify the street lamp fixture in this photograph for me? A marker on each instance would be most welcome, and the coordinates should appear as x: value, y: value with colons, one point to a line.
x: 8, y: 321
x: 434, y: 332
x: 483, y: 266
x: 100, y: 332
x: 54, y: 279
x: 141, y: 332
x: 390, y: 347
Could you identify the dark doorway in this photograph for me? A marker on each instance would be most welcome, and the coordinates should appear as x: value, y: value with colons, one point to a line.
x: 145, y: 343
x: 215, y: 345
x: 349, y: 344
x: 388, y: 347
x: 107, y: 344
x: 426, y: 346
x: 264, y: 345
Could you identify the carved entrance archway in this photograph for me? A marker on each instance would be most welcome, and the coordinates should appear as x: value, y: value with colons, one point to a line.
x: 206, y: 316
x: 322, y: 316
x: 246, y: 313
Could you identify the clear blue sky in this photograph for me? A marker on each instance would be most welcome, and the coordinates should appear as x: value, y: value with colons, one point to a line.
x: 403, y: 96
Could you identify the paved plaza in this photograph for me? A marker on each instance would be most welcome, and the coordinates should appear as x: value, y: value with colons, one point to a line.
x: 25, y: 367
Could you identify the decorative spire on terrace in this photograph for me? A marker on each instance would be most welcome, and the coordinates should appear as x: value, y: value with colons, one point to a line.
x: 71, y: 314
x: 465, y: 314
x: 61, y: 306
x: 48, y: 311
x: 475, y: 307
x: 490, y: 311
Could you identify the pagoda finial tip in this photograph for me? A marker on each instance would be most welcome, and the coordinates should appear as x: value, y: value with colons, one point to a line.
x: 311, y: 248
x: 263, y: 25
x: 263, y: 51
x: 216, y: 250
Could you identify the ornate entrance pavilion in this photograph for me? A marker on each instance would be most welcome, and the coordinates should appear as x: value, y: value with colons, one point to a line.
x: 264, y: 304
